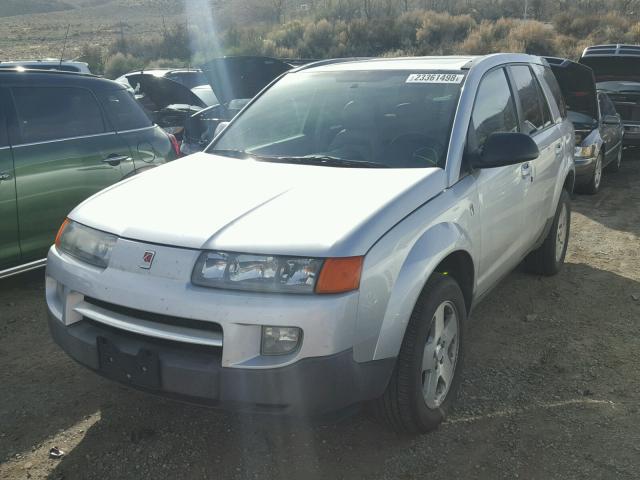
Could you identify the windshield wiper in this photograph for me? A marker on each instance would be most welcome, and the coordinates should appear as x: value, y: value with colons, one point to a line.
x: 230, y: 153
x: 323, y: 161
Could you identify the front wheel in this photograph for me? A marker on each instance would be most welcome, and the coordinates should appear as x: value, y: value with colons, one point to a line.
x: 593, y: 186
x: 549, y: 257
x: 614, y: 166
x: 427, y: 372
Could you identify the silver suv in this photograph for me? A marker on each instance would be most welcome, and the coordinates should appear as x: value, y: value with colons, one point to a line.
x: 328, y: 247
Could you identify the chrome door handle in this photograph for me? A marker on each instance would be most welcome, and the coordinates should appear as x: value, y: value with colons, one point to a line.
x: 116, y: 159
x: 525, y: 169
x: 5, y: 176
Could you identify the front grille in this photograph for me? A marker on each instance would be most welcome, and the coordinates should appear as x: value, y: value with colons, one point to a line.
x: 156, y: 317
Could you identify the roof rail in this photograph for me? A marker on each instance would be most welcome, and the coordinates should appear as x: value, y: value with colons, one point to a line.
x: 614, y: 49
x: 330, y: 61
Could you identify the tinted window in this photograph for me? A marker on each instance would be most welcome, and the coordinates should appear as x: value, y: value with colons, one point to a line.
x: 530, y: 99
x: 46, y: 113
x: 494, y: 109
x: 552, y: 82
x: 123, y: 112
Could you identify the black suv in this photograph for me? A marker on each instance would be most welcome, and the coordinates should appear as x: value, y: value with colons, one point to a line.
x: 63, y: 137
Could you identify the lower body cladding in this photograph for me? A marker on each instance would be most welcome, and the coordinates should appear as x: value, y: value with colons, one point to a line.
x: 154, y: 331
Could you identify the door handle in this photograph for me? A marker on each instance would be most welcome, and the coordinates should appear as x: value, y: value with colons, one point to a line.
x: 525, y: 169
x: 114, y: 160
x: 5, y: 176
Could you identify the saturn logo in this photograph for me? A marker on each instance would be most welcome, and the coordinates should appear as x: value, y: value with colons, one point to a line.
x: 147, y: 259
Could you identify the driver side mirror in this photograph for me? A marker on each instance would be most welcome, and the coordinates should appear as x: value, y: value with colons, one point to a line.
x: 611, y: 120
x: 502, y: 149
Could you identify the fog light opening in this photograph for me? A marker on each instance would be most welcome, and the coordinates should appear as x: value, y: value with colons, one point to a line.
x: 280, y: 340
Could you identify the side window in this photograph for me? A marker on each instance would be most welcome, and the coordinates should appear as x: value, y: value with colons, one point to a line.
x: 494, y: 109
x: 123, y: 112
x: 50, y: 113
x: 531, y: 100
x: 550, y: 79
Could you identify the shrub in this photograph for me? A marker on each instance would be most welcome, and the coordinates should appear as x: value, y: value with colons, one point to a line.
x: 121, y: 63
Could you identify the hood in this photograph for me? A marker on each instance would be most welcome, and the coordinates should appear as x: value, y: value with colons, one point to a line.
x: 577, y: 84
x: 617, y: 67
x: 209, y: 202
x: 232, y: 78
x: 162, y: 91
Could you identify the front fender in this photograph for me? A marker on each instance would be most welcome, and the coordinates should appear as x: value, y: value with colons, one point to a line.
x: 427, y: 253
x: 390, y: 287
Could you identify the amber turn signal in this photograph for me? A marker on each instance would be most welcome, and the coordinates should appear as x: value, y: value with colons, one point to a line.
x: 340, y: 275
x: 60, y: 230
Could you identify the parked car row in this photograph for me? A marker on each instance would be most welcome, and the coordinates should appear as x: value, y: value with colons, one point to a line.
x: 326, y: 248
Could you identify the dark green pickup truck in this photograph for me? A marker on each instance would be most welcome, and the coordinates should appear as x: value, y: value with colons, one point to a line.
x: 63, y: 137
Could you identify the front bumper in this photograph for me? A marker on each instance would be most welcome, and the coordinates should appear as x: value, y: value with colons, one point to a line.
x: 205, y: 342
x: 312, y: 386
x: 585, y: 167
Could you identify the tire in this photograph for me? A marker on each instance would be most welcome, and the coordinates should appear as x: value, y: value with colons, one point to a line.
x: 593, y: 186
x: 614, y: 166
x: 403, y: 406
x: 549, y: 258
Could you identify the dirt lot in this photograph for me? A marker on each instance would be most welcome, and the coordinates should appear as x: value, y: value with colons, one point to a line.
x: 551, y: 388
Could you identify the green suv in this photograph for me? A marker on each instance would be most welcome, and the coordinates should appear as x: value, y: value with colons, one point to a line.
x: 63, y: 137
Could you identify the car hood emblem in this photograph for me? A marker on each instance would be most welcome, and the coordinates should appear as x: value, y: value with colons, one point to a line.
x: 147, y: 259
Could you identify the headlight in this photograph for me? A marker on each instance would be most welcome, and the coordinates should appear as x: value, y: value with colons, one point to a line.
x: 260, y: 273
x: 585, y: 152
x: 86, y: 244
x: 277, y: 274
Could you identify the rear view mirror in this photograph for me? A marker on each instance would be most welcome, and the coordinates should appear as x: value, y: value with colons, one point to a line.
x: 611, y: 120
x: 503, y: 149
x: 221, y: 126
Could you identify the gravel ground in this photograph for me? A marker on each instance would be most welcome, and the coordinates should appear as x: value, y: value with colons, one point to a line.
x: 551, y: 388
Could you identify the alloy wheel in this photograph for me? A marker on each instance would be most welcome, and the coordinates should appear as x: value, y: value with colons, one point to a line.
x: 597, y: 174
x: 561, y: 233
x: 440, y: 355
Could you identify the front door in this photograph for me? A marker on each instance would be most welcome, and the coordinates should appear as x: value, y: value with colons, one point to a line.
x: 9, y: 246
x: 501, y: 191
x: 63, y: 154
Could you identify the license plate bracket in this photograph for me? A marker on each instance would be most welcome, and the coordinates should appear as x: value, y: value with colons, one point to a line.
x: 142, y: 369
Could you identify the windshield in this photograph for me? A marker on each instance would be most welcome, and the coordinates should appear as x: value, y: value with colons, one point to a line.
x: 394, y: 119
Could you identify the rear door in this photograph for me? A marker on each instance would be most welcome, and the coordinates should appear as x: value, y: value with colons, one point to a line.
x: 63, y: 153
x: 536, y: 120
x: 9, y: 245
x: 148, y: 145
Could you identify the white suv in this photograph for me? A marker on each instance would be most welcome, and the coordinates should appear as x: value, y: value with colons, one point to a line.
x: 328, y: 247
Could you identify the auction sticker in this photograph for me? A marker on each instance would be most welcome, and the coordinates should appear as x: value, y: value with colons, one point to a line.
x: 435, y: 78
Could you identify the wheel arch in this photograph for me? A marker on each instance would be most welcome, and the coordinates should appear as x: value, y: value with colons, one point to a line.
x: 445, y: 248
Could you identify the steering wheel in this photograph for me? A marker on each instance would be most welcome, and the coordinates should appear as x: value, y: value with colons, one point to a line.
x: 420, y: 149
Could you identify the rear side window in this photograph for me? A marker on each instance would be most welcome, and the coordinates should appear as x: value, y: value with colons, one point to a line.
x: 533, y: 114
x: 123, y: 112
x: 51, y: 113
x: 494, y: 110
x: 552, y: 82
